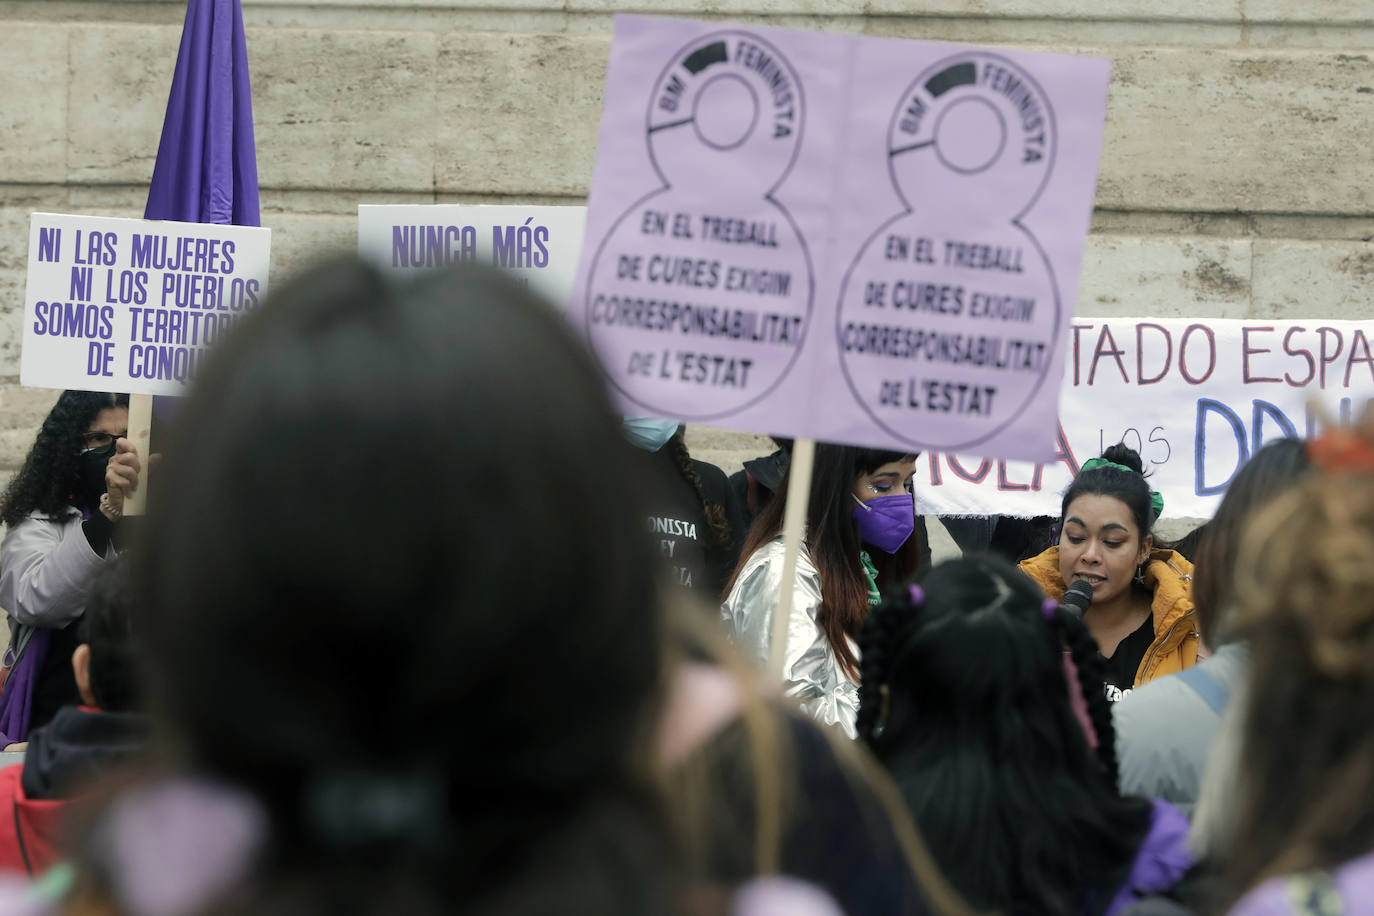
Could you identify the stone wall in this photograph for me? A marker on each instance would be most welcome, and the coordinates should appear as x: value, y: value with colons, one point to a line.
x: 1237, y: 177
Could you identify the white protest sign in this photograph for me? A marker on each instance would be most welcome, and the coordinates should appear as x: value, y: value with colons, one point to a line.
x: 1196, y: 397
x: 539, y: 245
x: 130, y: 304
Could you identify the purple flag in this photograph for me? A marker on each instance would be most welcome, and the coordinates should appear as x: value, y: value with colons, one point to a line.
x: 207, y: 168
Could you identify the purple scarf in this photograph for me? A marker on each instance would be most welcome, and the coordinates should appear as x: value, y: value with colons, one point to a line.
x: 16, y: 700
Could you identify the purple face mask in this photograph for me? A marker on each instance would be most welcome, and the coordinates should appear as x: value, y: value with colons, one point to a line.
x: 886, y: 522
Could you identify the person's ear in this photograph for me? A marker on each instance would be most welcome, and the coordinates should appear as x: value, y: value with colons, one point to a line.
x: 1147, y: 544
x: 81, y: 667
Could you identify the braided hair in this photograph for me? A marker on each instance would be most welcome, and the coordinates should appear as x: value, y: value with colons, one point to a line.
x: 1087, y: 661
x: 47, y: 481
x: 966, y: 701
x: 714, y: 512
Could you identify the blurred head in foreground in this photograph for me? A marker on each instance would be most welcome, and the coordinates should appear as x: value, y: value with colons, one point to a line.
x: 1304, y: 590
x: 372, y: 602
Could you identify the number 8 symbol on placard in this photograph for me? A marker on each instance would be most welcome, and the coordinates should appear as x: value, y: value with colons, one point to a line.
x: 989, y: 127
x: 949, y: 313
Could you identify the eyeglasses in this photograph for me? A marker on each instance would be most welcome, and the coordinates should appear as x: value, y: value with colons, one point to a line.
x: 94, y: 439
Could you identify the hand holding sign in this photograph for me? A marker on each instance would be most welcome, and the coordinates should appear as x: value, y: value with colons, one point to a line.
x: 121, y: 479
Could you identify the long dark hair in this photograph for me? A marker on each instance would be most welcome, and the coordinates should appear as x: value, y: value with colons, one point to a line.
x: 1271, y: 471
x: 832, y: 539
x: 367, y: 568
x: 964, y: 699
x: 47, y: 482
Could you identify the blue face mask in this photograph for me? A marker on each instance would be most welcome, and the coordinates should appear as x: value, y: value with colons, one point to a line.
x: 649, y: 433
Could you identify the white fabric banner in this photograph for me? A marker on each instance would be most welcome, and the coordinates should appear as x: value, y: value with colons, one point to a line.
x: 132, y: 304
x: 1195, y: 396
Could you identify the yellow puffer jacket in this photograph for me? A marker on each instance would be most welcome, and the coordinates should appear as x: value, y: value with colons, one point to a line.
x: 1170, y: 578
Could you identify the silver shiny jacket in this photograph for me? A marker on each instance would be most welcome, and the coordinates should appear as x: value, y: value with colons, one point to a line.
x: 47, y: 569
x: 811, y: 672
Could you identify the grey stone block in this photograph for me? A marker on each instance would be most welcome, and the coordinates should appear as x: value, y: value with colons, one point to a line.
x: 11, y: 320
x: 518, y: 114
x: 299, y: 240
x: 1151, y: 275
x: 1313, y: 279
x: 1327, y: 12
x: 33, y: 108
x: 119, y: 80
x: 1264, y: 132
x: 344, y: 110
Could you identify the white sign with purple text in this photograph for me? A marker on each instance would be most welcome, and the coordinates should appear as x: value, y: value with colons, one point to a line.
x: 853, y: 239
x: 538, y: 245
x: 1196, y: 397
x: 132, y: 305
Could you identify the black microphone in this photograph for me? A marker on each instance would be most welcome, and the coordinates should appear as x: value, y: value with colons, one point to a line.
x: 1078, y: 598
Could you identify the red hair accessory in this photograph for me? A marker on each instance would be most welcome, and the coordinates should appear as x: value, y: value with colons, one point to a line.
x: 1342, y: 450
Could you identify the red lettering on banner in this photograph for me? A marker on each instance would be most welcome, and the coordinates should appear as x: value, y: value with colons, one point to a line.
x: 959, y: 469
x: 1113, y: 351
x: 1183, y: 353
x: 1077, y: 352
x: 1305, y: 354
x: 1005, y: 485
x: 1140, y: 353
x: 1246, y: 350
x: 1368, y: 360
x: 935, y: 478
x: 1340, y: 345
x: 1062, y: 453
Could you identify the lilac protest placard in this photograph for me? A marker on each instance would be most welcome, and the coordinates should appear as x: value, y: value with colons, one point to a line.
x: 850, y: 239
x: 130, y: 304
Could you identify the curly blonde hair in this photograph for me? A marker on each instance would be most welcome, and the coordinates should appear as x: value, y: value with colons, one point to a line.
x: 1305, y: 594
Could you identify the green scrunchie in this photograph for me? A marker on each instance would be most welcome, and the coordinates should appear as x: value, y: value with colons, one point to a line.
x: 1156, y: 498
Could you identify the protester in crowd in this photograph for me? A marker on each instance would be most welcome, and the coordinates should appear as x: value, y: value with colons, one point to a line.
x: 966, y: 700
x: 1165, y: 729
x: 1304, y: 589
x: 760, y: 478
x: 757, y: 787
x: 694, y: 517
x: 1141, y: 614
x: 83, y: 744
x: 858, y: 540
x: 63, y: 511
x: 399, y: 615
x: 426, y: 686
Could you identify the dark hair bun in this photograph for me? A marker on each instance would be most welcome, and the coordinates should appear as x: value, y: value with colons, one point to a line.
x: 1123, y: 454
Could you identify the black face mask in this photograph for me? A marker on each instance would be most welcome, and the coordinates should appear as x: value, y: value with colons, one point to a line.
x: 91, y: 474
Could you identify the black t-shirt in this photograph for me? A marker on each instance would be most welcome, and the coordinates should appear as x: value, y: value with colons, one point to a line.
x: 1120, y: 669
x: 677, y: 521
